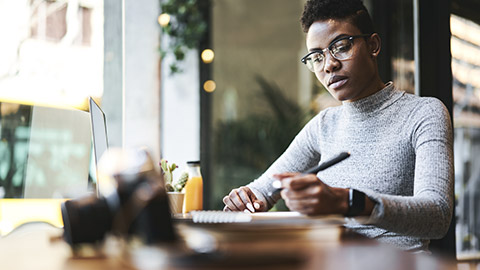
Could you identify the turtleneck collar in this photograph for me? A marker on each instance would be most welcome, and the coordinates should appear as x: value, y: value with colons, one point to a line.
x: 372, y: 103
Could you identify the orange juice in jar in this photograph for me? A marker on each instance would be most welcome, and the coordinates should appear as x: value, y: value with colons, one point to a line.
x: 194, y: 188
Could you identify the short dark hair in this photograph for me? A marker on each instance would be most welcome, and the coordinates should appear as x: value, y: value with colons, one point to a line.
x: 352, y: 10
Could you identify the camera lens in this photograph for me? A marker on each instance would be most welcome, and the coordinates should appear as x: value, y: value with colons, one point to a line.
x: 86, y: 220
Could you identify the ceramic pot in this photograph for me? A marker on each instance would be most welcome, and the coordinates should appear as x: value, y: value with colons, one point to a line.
x: 175, y: 200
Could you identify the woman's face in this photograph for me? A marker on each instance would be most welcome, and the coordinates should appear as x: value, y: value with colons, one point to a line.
x: 353, y: 78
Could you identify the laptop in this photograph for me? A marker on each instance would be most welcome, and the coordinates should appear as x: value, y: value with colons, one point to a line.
x: 99, y: 134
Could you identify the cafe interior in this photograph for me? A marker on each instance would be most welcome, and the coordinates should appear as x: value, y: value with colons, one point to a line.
x: 182, y: 84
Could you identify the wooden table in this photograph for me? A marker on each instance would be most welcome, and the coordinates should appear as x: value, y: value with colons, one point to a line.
x: 39, y: 246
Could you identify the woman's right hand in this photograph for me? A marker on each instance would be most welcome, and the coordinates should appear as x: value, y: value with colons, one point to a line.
x: 241, y: 199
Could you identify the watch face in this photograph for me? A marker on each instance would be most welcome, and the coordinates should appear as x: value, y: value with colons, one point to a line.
x: 356, y: 202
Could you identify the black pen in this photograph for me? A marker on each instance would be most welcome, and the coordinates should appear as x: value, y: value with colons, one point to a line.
x: 277, y: 184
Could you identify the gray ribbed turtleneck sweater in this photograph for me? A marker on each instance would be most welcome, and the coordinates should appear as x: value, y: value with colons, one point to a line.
x: 401, y: 158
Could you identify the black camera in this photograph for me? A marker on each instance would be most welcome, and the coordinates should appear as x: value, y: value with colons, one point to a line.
x: 133, y: 203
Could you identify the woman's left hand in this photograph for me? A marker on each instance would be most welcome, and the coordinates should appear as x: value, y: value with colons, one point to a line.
x: 307, y: 194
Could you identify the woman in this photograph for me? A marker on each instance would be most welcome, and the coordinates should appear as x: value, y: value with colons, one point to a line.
x: 400, y: 172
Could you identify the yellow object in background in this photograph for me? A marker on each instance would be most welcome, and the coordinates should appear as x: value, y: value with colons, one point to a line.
x: 193, y: 195
x: 193, y: 189
x: 15, y: 212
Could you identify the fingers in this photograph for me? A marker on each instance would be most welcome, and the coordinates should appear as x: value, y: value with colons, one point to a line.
x: 296, y: 181
x: 304, y: 205
x: 281, y: 176
x: 247, y: 195
x: 242, y: 199
x: 255, y: 204
x: 316, y: 199
x: 259, y: 206
x: 303, y: 193
x: 233, y: 201
x: 310, y: 191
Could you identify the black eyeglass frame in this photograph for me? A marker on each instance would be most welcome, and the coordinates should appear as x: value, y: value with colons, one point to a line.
x: 351, y: 38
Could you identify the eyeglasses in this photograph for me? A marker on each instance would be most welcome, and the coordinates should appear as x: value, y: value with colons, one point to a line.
x: 340, y: 49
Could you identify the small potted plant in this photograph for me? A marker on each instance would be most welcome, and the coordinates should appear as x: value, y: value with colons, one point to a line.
x: 173, y: 187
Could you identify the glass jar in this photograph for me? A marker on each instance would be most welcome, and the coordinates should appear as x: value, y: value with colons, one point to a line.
x: 194, y: 188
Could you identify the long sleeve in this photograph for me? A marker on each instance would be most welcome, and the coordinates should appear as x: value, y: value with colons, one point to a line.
x: 427, y: 213
x: 301, y: 154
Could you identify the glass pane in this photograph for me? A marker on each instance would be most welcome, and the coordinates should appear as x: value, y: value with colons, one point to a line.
x: 263, y: 94
x: 465, y: 47
x: 401, y: 45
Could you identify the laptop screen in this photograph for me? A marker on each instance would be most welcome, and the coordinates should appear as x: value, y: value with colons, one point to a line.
x: 99, y: 130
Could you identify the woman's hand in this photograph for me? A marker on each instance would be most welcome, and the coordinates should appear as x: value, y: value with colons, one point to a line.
x: 241, y: 199
x: 307, y: 194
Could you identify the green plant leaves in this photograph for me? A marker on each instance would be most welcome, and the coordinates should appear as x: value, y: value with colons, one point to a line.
x: 185, y: 29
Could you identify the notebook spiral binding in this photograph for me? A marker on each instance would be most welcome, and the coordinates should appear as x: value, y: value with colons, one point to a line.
x: 215, y: 216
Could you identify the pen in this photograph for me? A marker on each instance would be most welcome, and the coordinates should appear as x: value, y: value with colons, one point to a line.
x: 277, y: 184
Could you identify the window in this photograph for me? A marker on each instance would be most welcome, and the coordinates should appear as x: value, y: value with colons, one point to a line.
x: 465, y: 46
x: 52, y: 56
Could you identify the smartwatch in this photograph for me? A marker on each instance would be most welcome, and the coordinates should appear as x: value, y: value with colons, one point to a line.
x: 356, y: 202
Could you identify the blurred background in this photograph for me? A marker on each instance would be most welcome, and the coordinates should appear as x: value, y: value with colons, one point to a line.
x: 213, y: 80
